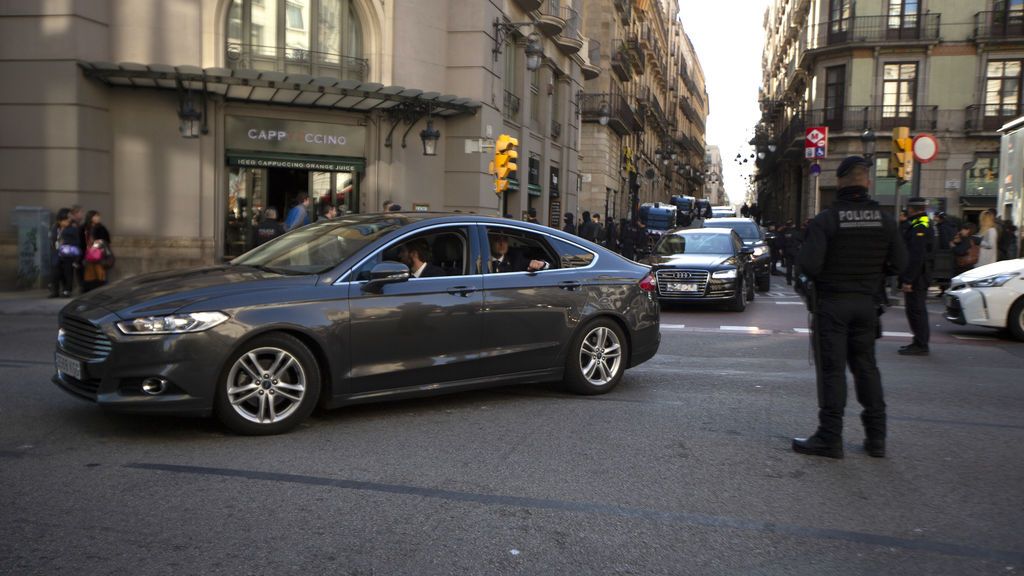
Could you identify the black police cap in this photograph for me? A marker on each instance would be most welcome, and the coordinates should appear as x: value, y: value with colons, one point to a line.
x: 917, y: 201
x: 849, y: 162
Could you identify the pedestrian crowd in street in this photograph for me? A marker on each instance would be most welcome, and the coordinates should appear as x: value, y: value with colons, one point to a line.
x: 82, y: 254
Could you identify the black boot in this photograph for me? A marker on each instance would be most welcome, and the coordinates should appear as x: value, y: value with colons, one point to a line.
x: 815, y: 446
x: 913, y: 350
x: 874, y: 447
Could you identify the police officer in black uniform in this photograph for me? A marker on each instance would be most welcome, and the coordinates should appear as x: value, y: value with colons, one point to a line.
x: 846, y: 254
x: 915, y: 277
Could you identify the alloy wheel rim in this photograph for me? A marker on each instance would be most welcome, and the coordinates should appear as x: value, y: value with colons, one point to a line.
x: 266, y: 385
x: 600, y: 356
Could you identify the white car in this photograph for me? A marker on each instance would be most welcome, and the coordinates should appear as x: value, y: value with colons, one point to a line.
x: 992, y: 295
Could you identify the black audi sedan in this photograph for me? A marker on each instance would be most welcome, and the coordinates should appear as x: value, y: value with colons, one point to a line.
x: 753, y: 237
x: 703, y: 265
x: 360, y: 309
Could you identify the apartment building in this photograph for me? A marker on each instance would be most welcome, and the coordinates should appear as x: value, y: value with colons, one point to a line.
x: 950, y: 68
x: 644, y: 115
x: 714, y: 185
x: 182, y: 121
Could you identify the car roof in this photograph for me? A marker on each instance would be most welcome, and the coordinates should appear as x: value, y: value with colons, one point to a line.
x: 702, y: 231
x: 711, y: 223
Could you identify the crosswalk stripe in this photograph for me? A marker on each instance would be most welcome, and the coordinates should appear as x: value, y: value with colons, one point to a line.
x: 898, y: 334
x: 674, y: 326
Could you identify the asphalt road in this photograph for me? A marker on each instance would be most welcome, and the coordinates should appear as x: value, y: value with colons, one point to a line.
x: 684, y: 469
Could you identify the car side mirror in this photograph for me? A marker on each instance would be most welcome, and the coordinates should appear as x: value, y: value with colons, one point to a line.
x: 386, y: 273
x: 747, y: 251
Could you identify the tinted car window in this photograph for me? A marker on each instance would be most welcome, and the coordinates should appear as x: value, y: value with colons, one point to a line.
x: 747, y: 230
x: 523, y: 245
x: 318, y: 247
x: 448, y: 249
x: 571, y: 256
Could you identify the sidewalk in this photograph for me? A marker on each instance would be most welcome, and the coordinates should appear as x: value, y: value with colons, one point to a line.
x: 25, y: 302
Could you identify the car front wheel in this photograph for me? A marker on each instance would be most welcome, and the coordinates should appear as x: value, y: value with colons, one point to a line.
x: 1015, y: 321
x: 597, y: 358
x: 268, y: 386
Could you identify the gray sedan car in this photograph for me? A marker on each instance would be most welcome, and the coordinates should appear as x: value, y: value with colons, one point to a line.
x: 360, y: 309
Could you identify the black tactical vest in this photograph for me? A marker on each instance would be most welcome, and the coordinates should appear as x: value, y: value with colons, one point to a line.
x: 857, y: 250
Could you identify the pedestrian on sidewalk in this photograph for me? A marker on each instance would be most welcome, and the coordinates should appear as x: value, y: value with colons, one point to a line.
x: 98, y: 253
x: 916, y: 277
x: 66, y: 253
x: 847, y: 252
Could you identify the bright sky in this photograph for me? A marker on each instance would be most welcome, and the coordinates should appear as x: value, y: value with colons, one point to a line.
x: 729, y: 40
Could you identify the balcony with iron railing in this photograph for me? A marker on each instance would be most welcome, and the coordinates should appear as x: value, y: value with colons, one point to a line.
x: 592, y: 66
x: 620, y: 63
x: 291, y: 60
x: 649, y: 101
x: 636, y: 54
x: 615, y: 107
x: 569, y: 40
x: 625, y: 8
x: 510, y: 111
x: 859, y: 118
x: 551, y: 20
x: 999, y: 26
x: 990, y: 118
x: 875, y: 30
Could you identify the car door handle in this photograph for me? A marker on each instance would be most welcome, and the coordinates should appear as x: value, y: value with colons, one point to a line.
x: 461, y: 290
x: 570, y: 285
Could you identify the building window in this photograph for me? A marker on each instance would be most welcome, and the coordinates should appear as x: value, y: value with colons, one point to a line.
x: 1008, y: 17
x: 535, y: 95
x: 1002, y: 91
x: 898, y: 93
x: 316, y: 37
x: 835, y: 96
x: 839, y: 18
x: 511, y: 108
x: 903, y: 13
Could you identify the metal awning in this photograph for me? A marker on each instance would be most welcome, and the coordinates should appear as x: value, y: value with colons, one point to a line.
x: 267, y: 87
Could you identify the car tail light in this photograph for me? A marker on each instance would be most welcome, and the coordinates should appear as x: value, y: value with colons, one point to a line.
x: 649, y: 283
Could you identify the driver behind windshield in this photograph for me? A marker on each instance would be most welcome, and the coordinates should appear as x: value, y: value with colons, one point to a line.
x: 503, y: 261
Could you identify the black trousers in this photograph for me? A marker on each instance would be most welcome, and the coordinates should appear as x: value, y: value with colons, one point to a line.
x: 917, y: 312
x: 61, y: 277
x: 844, y: 335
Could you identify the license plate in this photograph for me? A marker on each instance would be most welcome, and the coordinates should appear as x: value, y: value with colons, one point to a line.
x: 681, y: 287
x: 68, y: 365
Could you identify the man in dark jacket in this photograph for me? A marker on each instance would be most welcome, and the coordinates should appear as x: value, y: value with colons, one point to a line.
x: 269, y: 227
x: 847, y: 252
x: 916, y: 276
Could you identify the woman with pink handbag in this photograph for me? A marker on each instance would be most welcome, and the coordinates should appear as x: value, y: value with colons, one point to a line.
x: 98, y: 255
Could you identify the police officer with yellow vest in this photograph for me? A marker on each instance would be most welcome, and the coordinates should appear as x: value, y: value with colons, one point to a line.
x: 847, y: 252
x: 915, y: 277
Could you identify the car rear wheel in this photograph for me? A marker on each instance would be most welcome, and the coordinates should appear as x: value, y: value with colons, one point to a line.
x: 1015, y: 321
x: 268, y: 386
x: 597, y: 358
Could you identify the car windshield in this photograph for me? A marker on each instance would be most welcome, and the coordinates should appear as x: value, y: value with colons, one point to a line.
x: 745, y: 228
x: 321, y: 246
x: 674, y: 244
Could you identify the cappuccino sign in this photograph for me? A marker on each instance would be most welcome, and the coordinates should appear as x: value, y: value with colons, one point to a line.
x: 313, y: 138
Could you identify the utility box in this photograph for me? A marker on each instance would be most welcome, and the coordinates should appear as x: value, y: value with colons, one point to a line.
x: 34, y: 250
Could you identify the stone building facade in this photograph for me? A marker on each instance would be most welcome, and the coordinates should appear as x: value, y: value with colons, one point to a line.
x: 644, y: 115
x: 182, y: 121
x: 950, y: 68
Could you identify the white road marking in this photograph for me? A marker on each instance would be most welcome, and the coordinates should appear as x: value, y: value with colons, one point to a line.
x: 790, y: 303
x: 970, y: 337
x: 898, y: 334
x: 740, y: 328
x: 674, y: 326
x: 802, y: 330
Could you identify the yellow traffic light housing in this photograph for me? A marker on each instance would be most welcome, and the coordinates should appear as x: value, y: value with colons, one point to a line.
x: 502, y: 165
x: 902, y: 157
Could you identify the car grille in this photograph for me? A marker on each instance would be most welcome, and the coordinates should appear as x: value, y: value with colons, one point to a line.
x: 87, y: 388
x: 84, y: 339
x: 698, y: 277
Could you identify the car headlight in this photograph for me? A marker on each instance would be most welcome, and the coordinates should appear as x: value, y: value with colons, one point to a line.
x: 173, y: 324
x: 725, y: 274
x: 759, y: 251
x: 993, y: 281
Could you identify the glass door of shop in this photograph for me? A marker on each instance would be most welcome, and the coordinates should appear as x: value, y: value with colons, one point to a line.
x: 258, y: 197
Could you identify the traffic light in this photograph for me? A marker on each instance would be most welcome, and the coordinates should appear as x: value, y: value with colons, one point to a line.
x: 503, y: 165
x: 900, y: 162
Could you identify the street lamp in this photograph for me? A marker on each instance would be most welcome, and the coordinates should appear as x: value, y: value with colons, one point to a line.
x: 430, y: 136
x: 604, y: 114
x: 867, y: 140
x: 534, y: 52
x: 189, y: 117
